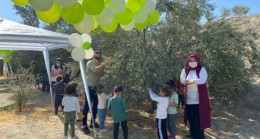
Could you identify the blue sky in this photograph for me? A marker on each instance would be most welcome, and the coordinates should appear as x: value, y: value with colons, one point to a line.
x: 7, y: 11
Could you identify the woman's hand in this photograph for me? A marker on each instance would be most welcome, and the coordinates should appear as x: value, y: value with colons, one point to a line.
x: 189, y: 82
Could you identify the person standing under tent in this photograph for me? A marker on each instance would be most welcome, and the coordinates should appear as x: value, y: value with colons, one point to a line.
x: 57, y: 69
x: 197, y: 106
x: 94, y: 68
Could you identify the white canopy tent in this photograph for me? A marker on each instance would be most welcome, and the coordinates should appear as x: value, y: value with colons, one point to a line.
x: 15, y: 36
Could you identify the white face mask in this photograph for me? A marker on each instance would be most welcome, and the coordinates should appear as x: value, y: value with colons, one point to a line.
x: 193, y: 64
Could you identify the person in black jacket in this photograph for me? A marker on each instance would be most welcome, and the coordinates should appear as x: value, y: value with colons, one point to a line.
x: 59, y: 93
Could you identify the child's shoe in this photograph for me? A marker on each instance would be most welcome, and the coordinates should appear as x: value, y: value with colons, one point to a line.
x: 96, y: 125
x: 86, y: 130
x: 103, y: 130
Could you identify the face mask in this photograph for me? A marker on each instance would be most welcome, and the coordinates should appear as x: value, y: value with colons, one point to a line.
x: 193, y: 64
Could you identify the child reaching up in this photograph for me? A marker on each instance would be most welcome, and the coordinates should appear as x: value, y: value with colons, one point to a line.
x: 71, y: 106
x: 162, y: 105
x: 118, y: 109
x: 101, y: 110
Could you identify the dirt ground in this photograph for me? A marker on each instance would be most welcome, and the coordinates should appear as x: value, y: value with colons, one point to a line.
x: 240, y: 120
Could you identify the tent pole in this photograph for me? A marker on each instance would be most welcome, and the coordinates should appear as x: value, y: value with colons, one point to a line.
x: 47, y: 65
x: 85, y: 82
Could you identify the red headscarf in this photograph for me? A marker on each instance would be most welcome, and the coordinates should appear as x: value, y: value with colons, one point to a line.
x: 197, y: 58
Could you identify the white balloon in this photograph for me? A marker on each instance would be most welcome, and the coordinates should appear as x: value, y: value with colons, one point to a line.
x: 149, y: 6
x: 106, y: 17
x: 89, y: 53
x: 65, y: 3
x: 86, y: 38
x: 86, y: 25
x: 78, y: 53
x: 76, y: 40
x: 141, y: 16
x: 41, y: 5
x: 117, y: 6
x: 129, y: 26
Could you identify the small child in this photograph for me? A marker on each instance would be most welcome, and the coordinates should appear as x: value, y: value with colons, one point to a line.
x: 59, y: 93
x: 172, y: 111
x: 45, y: 81
x: 118, y: 109
x: 101, y: 108
x: 162, y: 105
x: 37, y: 81
x: 71, y: 106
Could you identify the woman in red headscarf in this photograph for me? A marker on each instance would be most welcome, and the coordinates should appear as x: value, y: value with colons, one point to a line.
x: 197, y: 107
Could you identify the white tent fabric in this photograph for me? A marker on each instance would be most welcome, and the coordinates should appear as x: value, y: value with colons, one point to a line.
x: 15, y: 36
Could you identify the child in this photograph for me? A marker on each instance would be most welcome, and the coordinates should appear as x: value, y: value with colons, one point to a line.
x: 118, y: 109
x: 101, y: 110
x: 162, y: 105
x: 71, y: 106
x: 59, y: 93
x: 172, y: 111
x: 45, y: 81
x: 37, y: 81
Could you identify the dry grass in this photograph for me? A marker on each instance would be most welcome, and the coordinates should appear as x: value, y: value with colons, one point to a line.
x: 11, y: 117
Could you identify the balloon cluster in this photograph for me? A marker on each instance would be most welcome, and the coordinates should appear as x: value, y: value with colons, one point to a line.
x: 82, y: 46
x: 87, y: 15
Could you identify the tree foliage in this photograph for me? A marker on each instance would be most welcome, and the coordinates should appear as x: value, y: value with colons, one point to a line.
x: 156, y: 54
x: 240, y: 10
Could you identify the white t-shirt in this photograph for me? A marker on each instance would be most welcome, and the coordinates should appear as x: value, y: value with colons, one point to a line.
x: 192, y: 96
x: 102, y: 100
x: 162, y: 105
x: 70, y: 103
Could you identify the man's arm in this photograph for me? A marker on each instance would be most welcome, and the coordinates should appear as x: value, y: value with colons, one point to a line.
x: 95, y: 68
x: 101, y: 67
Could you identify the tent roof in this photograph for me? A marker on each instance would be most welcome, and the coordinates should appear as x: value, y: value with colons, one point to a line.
x: 16, y: 36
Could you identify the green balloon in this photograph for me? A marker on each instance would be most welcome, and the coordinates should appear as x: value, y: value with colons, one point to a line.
x: 20, y: 2
x: 125, y: 17
x: 154, y: 17
x: 141, y: 26
x: 110, y: 28
x: 73, y: 14
x: 95, y: 24
x: 106, y: 2
x: 134, y: 5
x: 86, y: 45
x: 93, y: 7
x: 50, y: 16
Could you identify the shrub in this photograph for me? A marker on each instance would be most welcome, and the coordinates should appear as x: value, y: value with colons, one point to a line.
x: 21, y: 87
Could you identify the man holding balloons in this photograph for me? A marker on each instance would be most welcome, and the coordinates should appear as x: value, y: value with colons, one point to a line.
x: 95, y: 68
